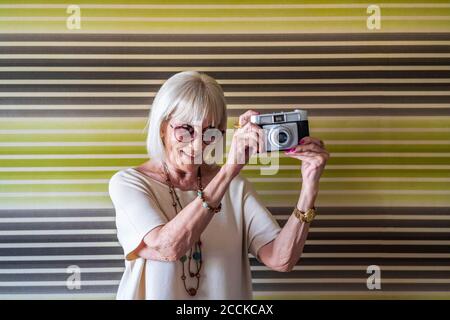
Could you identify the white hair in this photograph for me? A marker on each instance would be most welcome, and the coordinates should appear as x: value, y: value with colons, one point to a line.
x: 189, y: 97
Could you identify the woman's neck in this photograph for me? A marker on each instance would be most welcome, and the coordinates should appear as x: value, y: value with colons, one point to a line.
x: 183, y: 178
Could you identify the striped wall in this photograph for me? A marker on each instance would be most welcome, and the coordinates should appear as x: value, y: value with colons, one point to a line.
x: 73, y: 107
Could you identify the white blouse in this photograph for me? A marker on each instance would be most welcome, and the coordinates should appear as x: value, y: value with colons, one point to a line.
x: 243, y: 226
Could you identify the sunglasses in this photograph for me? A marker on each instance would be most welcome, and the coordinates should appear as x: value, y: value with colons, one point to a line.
x: 187, y: 133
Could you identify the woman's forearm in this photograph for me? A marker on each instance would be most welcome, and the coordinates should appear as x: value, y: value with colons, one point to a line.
x: 171, y: 241
x: 283, y: 253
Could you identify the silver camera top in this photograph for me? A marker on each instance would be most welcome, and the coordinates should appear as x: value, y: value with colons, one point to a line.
x: 279, y: 117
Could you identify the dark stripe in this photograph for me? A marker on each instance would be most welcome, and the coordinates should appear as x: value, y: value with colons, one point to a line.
x: 40, y: 213
x: 386, y: 287
x: 61, y: 264
x: 225, y: 50
x: 303, y: 274
x: 246, y: 100
x: 424, y: 211
x: 60, y: 276
x: 58, y: 238
x: 309, y: 249
x: 381, y: 223
x: 426, y: 36
x: 379, y: 235
x: 350, y: 88
x: 18, y: 252
x: 147, y: 75
x: 223, y: 63
x: 59, y: 290
x: 57, y: 225
x: 444, y: 262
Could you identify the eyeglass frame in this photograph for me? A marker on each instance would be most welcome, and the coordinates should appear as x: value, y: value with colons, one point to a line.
x: 194, y: 134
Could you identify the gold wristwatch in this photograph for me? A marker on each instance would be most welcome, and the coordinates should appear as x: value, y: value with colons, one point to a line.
x: 307, y: 216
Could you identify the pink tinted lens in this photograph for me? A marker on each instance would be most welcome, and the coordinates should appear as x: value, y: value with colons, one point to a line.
x: 183, y: 134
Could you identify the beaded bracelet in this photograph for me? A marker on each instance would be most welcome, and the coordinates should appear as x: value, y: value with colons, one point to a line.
x: 206, y: 205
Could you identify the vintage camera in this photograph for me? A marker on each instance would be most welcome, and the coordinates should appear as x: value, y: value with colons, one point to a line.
x: 283, y: 130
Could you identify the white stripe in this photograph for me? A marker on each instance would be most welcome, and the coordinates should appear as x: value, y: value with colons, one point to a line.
x: 308, y: 242
x: 352, y: 192
x: 137, y: 143
x: 211, y: 69
x: 67, y: 131
x: 61, y: 181
x: 255, y: 167
x: 75, y: 156
x: 224, y: 6
x: 235, y: 106
x: 52, y: 194
x: 383, y: 217
x: 305, y: 255
x: 57, y: 219
x: 380, y: 229
x: 384, y: 129
x: 370, y: 217
x: 313, y: 229
x: 377, y: 255
x: 228, y: 81
x: 381, y: 242
x: 144, y: 156
x: 60, y: 245
x: 324, y: 43
x: 379, y: 167
x: 239, y: 56
x: 137, y: 131
x: 72, y: 144
x: 227, y: 19
x: 375, y: 142
x: 142, y: 120
x: 61, y: 169
x: 349, y: 280
x: 76, y: 106
x: 59, y: 270
x: 354, y: 294
x: 57, y: 283
x: 59, y: 296
x: 62, y: 257
x: 254, y: 180
x: 344, y: 106
x: 230, y: 94
x: 358, y: 268
x: 56, y: 232
x: 352, y: 179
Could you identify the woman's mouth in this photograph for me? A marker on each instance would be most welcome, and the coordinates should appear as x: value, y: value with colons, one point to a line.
x: 187, y: 155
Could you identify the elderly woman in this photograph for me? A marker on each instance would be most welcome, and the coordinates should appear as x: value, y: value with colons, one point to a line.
x: 187, y: 226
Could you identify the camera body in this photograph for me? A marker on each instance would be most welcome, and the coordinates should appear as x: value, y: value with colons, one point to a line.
x: 283, y: 130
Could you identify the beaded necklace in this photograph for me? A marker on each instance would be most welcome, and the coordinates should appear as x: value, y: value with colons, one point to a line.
x: 195, y: 254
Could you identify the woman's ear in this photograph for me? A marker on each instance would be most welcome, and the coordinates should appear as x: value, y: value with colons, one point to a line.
x: 163, y: 128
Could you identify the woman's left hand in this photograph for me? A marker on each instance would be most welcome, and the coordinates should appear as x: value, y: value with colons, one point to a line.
x: 311, y: 151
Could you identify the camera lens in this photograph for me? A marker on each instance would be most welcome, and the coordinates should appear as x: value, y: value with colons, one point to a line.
x: 282, y: 137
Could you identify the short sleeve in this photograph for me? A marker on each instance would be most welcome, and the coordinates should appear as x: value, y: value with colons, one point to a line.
x: 260, y: 225
x: 137, y: 212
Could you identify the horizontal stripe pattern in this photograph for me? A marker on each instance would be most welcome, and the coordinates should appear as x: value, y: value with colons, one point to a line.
x: 73, y: 108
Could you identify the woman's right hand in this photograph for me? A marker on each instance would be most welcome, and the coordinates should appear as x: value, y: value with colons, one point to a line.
x: 247, y: 141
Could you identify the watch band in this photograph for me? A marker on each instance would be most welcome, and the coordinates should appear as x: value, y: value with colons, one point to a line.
x: 307, y: 216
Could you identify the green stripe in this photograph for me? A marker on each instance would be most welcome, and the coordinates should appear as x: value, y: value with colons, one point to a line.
x: 282, y: 161
x: 274, y: 200
x: 239, y: 12
x: 285, y: 186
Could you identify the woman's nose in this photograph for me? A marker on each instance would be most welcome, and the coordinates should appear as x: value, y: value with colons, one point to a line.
x: 196, y: 145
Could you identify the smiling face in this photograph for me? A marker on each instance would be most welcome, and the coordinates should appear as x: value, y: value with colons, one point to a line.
x: 185, y: 143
